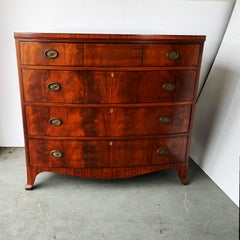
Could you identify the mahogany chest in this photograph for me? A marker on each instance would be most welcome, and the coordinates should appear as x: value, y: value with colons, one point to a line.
x: 107, y: 106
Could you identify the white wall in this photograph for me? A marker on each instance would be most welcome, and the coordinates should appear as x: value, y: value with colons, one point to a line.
x: 216, y: 133
x: 106, y: 16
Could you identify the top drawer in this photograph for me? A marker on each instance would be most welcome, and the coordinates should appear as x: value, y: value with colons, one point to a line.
x: 171, y: 54
x: 110, y: 54
x: 44, y: 53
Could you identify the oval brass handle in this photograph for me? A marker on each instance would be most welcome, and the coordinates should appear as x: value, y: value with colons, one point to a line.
x: 172, y: 55
x: 162, y: 151
x: 51, y: 53
x: 165, y: 120
x: 56, y: 154
x: 54, y: 86
x: 55, y: 122
x: 169, y: 86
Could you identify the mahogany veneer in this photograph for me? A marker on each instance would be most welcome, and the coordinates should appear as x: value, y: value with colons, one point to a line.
x: 107, y: 106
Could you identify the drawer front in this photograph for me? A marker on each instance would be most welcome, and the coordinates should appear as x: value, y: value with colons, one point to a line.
x: 53, y: 86
x: 108, y: 87
x: 67, y: 54
x: 112, y: 54
x: 106, y: 121
x: 100, y: 55
x: 140, y: 87
x: 115, y: 153
x: 171, y: 54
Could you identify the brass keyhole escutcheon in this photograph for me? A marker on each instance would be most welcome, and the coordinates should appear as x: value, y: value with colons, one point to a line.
x: 172, y: 55
x: 110, y: 143
x: 54, y: 86
x: 55, y: 122
x: 112, y: 74
x: 56, y: 154
x: 111, y: 110
x: 51, y: 53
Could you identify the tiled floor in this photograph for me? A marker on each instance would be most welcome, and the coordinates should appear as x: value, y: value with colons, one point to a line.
x: 154, y: 206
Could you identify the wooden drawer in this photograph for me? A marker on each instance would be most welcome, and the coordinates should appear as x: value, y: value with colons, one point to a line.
x: 171, y: 54
x: 141, y: 86
x: 40, y: 53
x: 112, y: 153
x: 53, y: 86
x: 112, y: 54
x: 108, y: 87
x: 106, y: 121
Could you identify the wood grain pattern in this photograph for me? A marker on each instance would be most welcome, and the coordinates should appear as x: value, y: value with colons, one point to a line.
x: 126, y: 38
x: 112, y: 54
x: 106, y: 173
x: 111, y: 121
x: 111, y: 153
x: 108, y: 94
x: 155, y: 54
x: 108, y: 86
x: 33, y: 53
x: 35, y: 85
x: 139, y: 86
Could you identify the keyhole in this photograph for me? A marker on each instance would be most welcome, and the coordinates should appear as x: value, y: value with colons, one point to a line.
x: 112, y: 74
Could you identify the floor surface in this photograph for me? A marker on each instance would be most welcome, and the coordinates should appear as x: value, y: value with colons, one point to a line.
x: 149, y: 207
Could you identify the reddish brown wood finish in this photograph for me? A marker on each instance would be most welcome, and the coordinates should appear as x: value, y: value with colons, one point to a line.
x: 108, y: 86
x: 188, y: 54
x: 108, y: 153
x: 33, y: 53
x: 35, y: 85
x: 106, y: 121
x: 112, y: 55
x: 109, y: 93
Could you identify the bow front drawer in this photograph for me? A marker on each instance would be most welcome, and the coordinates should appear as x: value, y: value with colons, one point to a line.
x: 111, y: 153
x: 44, y: 53
x: 106, y: 121
x: 108, y: 86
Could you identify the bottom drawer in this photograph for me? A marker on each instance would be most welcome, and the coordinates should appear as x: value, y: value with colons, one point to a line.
x: 112, y: 153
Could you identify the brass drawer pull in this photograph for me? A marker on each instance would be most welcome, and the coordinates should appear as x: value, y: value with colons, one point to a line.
x: 165, y: 120
x: 54, y: 87
x: 55, y: 122
x: 51, y: 53
x: 56, y: 154
x: 162, y: 151
x: 172, y: 55
x: 169, y: 86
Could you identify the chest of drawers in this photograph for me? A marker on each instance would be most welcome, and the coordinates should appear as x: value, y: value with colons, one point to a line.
x: 107, y: 106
